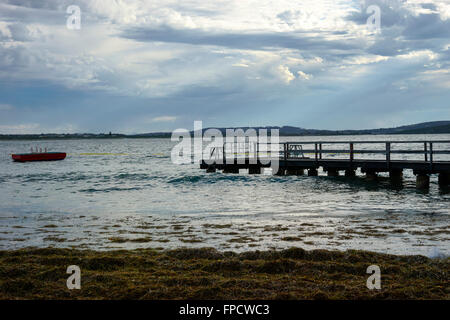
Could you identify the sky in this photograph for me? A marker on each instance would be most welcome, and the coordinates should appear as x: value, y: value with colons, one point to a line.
x: 148, y: 66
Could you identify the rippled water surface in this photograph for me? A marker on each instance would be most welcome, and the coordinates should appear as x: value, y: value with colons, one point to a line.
x: 127, y: 193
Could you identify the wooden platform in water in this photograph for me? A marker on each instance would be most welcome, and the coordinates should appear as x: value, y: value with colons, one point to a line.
x: 292, y: 158
x: 333, y: 164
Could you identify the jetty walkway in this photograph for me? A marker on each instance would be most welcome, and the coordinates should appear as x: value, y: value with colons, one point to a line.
x: 424, y: 158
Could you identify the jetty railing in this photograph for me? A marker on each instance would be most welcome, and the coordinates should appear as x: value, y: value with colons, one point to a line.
x: 428, y: 151
x: 293, y: 158
x: 319, y: 150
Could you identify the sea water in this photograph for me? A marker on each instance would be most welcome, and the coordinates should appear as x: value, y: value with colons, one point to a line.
x: 127, y: 193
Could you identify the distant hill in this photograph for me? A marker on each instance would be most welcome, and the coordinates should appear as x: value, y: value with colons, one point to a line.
x: 419, y: 128
x: 434, y: 127
x: 424, y: 125
x: 429, y: 130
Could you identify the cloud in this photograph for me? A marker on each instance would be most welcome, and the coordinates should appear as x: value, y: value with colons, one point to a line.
x: 19, y: 128
x: 241, y: 40
x: 407, y: 25
x: 285, y: 74
x: 242, y: 65
x: 37, y: 128
x: 164, y: 119
x: 304, y: 76
x: 5, y: 33
x: 5, y: 107
x: 202, y: 59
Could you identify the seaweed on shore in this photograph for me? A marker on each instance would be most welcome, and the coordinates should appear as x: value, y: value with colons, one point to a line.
x: 209, y: 274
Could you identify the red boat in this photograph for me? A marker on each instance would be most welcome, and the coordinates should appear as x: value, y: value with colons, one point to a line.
x: 47, y: 156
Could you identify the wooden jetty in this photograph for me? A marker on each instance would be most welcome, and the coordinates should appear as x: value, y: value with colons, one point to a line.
x: 294, y: 158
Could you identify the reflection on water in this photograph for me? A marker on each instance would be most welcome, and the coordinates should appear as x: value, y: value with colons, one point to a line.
x: 126, y: 194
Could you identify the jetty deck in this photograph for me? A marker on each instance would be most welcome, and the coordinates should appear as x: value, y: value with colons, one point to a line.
x: 424, y: 158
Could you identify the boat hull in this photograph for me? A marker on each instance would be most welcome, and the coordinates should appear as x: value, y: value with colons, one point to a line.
x: 50, y: 156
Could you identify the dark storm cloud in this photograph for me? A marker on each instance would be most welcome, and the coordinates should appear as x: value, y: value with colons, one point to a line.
x: 257, y: 41
x: 31, y: 12
x: 402, y: 31
x: 392, y: 13
x: 426, y: 26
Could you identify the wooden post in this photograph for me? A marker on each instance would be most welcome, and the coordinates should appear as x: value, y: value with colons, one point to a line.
x: 320, y: 148
x: 231, y: 169
x: 371, y: 175
x: 426, y: 151
x: 351, y: 153
x: 444, y: 179
x: 422, y: 181
x: 294, y: 172
x: 396, y: 175
x: 331, y: 172
x: 431, y: 155
x: 257, y: 151
x: 350, y: 173
x: 315, y: 150
x: 254, y: 169
x: 388, y: 154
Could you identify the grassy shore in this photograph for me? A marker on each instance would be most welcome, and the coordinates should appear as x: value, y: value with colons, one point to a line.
x: 209, y: 274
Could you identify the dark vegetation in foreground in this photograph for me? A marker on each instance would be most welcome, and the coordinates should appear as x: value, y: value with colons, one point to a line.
x: 209, y: 274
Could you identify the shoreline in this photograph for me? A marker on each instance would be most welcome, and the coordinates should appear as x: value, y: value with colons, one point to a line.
x: 209, y: 274
x: 168, y: 137
x: 407, y: 233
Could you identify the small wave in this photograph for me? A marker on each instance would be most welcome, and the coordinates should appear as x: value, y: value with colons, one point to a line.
x: 208, y: 179
x: 133, y: 176
x: 158, y: 156
x: 185, y: 179
x: 70, y: 176
x: 93, y: 190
